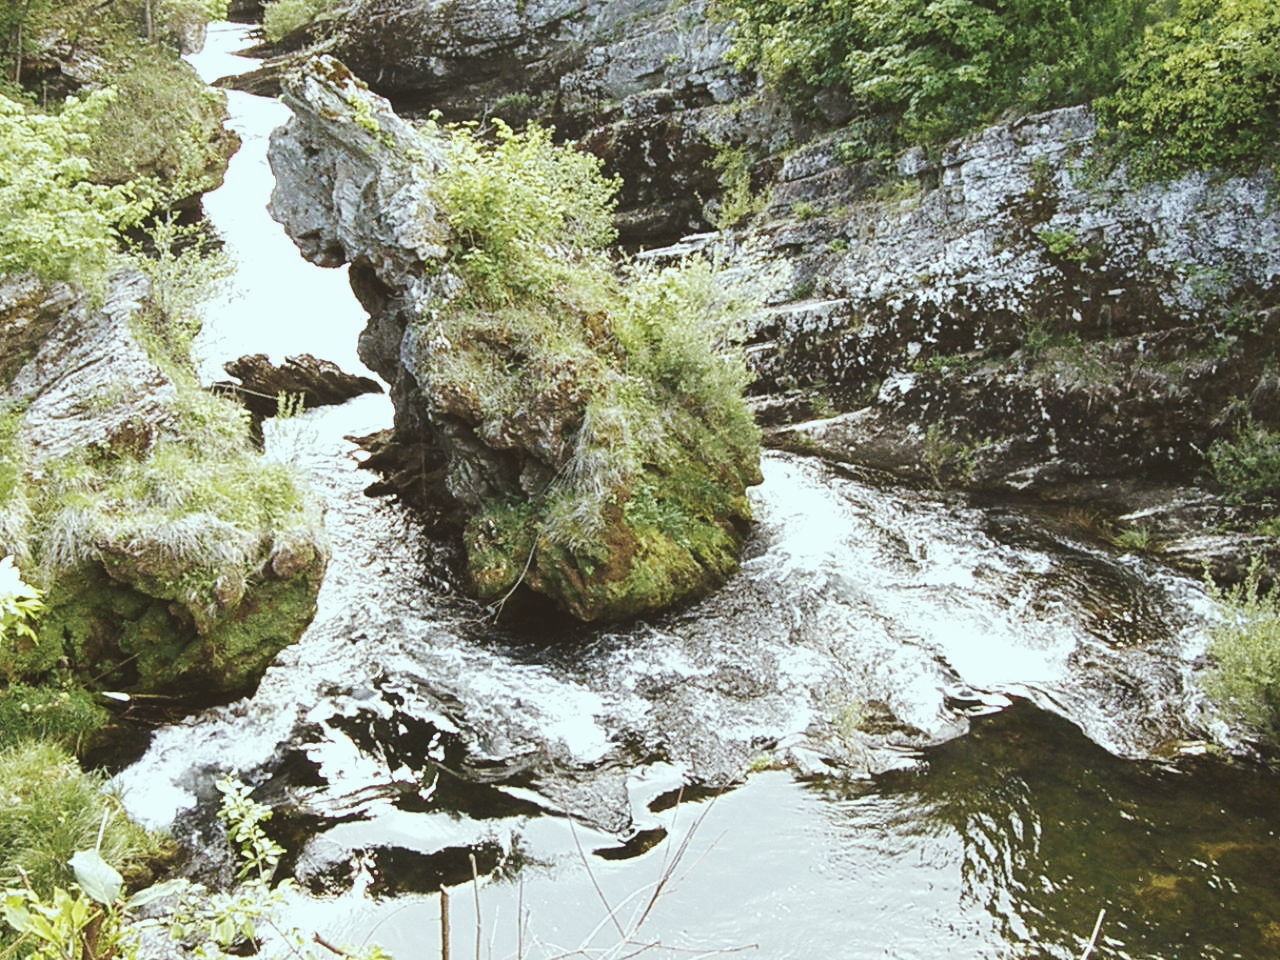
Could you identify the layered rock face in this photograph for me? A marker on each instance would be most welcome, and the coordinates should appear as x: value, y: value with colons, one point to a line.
x: 155, y: 578
x: 501, y: 405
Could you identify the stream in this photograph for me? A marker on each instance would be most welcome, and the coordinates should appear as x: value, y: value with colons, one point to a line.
x: 910, y: 727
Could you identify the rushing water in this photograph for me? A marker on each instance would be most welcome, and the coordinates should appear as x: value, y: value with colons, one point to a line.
x: 974, y: 708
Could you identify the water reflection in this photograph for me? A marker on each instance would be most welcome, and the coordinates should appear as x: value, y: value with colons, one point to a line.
x: 1053, y: 828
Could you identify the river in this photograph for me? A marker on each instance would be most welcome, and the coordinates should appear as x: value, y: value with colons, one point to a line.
x: 911, y: 727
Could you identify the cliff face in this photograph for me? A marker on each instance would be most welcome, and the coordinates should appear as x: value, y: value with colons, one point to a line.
x: 118, y: 498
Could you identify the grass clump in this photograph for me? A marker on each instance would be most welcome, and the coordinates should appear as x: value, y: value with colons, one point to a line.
x: 52, y: 809
x: 617, y: 392
x: 59, y: 713
x: 1245, y: 646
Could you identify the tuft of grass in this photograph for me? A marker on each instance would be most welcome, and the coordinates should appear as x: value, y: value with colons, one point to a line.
x: 1137, y: 539
x: 60, y: 713
x: 51, y: 809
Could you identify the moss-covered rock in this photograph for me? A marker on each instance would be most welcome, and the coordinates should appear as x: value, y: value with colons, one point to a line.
x: 585, y: 425
x: 173, y: 557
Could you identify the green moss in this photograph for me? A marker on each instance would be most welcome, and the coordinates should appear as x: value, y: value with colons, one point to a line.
x: 164, y: 123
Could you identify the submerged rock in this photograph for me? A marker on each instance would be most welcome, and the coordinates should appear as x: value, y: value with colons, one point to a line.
x: 523, y: 409
x: 172, y: 558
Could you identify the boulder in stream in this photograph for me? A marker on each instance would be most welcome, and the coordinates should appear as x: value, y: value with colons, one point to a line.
x: 586, y: 430
x: 173, y: 558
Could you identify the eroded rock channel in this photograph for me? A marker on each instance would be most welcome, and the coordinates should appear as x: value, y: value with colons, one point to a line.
x: 957, y: 696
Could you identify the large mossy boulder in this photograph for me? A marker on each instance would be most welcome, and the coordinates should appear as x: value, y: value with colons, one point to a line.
x: 583, y: 425
x: 172, y: 556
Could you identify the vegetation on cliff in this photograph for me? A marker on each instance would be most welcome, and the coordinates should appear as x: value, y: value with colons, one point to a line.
x: 1184, y: 85
x: 619, y: 394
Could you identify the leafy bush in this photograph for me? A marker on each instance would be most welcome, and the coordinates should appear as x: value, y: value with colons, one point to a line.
x: 524, y: 211
x: 1248, y: 464
x: 57, y: 223
x: 1246, y: 648
x: 939, y: 67
x: 1203, y: 90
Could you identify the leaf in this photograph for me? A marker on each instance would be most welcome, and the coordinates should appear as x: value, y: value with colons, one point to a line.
x: 16, y: 914
x: 157, y: 891
x: 96, y: 877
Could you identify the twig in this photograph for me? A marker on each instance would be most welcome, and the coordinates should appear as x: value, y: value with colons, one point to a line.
x: 591, y: 875
x: 475, y: 886
x: 520, y: 919
x: 1093, y: 939
x: 444, y: 924
x: 338, y: 951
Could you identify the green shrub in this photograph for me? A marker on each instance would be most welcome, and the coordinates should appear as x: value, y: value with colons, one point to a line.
x: 1245, y: 645
x: 1247, y: 464
x: 56, y: 222
x: 52, y: 809
x: 1203, y: 89
x: 524, y: 211
x: 939, y: 67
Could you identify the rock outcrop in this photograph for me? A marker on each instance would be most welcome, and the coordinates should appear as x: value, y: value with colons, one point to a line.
x: 122, y: 496
x: 355, y: 183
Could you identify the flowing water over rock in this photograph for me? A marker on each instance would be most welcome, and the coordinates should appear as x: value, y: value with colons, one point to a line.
x: 959, y: 686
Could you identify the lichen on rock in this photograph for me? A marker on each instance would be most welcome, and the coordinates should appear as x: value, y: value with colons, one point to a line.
x: 586, y: 423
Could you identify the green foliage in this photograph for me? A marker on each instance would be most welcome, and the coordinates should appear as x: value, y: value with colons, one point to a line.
x: 1245, y: 645
x: 1248, y: 463
x: 58, y: 224
x: 51, y: 810
x: 283, y: 17
x: 20, y: 604
x: 1202, y: 90
x: 737, y: 199
x: 939, y: 67
x: 244, y: 816
x: 523, y: 210
x: 636, y: 370
x: 1137, y: 539
x: 187, y: 268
